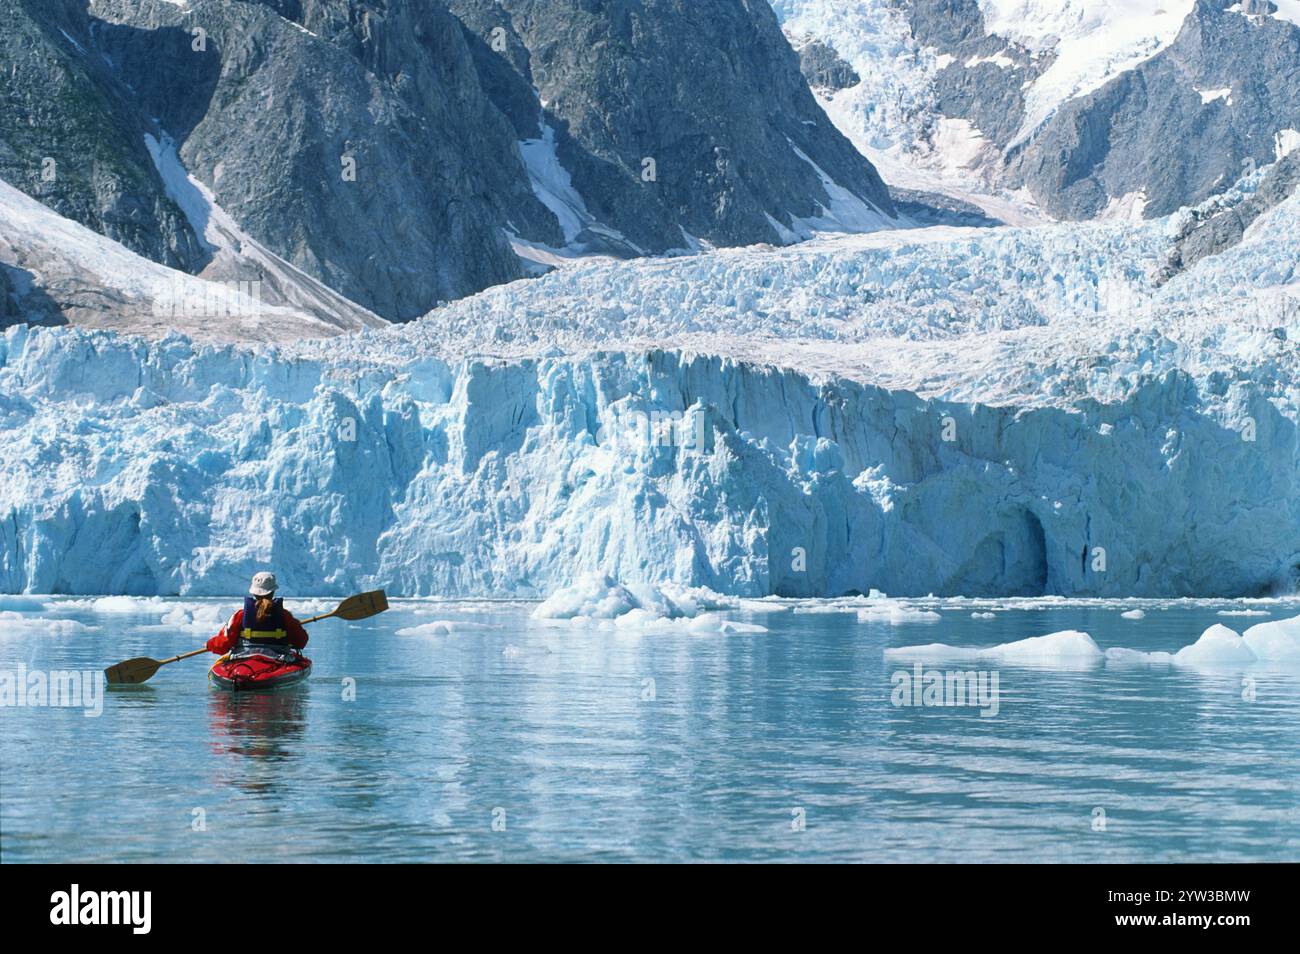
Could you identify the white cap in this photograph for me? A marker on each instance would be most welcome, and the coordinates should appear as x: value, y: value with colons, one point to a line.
x: 263, y: 584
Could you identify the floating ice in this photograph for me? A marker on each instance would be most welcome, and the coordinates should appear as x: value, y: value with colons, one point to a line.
x: 594, y: 596
x: 1137, y: 656
x: 599, y: 598
x: 22, y: 604
x: 1218, y: 644
x: 1133, y: 614
x: 135, y: 605
x: 199, y: 618
x: 1066, y: 647
x: 896, y: 613
x: 21, y: 624
x: 1275, y: 641
x: 441, y: 627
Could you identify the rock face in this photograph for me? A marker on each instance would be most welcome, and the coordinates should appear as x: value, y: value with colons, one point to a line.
x: 69, y: 137
x: 8, y: 307
x: 1178, y: 128
x: 825, y: 69
x: 356, y: 144
x: 671, y: 116
x: 1211, y: 231
x: 1170, y: 130
x: 401, y: 155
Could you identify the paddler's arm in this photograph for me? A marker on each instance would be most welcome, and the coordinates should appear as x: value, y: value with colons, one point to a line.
x: 224, y: 641
x: 296, y: 632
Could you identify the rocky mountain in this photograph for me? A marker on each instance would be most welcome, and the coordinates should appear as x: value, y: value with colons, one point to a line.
x: 1071, y: 109
x: 402, y: 154
x: 673, y: 117
x: 1177, y: 128
x: 70, y: 136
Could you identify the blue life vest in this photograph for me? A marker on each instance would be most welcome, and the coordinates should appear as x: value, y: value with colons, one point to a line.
x: 268, y: 633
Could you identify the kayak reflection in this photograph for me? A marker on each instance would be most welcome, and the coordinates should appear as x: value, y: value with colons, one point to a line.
x: 262, y: 726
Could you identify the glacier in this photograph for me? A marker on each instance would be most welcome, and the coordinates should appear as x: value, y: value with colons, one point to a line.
x: 979, y: 412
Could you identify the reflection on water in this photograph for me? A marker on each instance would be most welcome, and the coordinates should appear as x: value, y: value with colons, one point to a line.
x: 258, y: 726
x: 519, y: 741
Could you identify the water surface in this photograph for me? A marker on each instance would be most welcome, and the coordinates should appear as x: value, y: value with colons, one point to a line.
x: 582, y: 743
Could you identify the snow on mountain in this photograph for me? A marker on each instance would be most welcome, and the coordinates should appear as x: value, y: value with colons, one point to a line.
x: 585, y: 239
x: 65, y: 273
x: 238, y: 257
x: 890, y: 114
x: 1065, y: 109
x: 1089, y: 41
x: 1288, y: 10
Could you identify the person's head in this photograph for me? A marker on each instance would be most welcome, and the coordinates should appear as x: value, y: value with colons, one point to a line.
x: 263, y: 587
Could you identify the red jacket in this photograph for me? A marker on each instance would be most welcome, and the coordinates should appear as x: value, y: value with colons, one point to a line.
x: 224, y: 641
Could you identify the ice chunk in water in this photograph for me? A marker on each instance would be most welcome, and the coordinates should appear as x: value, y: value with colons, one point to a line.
x: 1218, y: 644
x: 1277, y: 640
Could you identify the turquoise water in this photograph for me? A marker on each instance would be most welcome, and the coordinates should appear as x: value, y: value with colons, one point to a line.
x: 557, y: 735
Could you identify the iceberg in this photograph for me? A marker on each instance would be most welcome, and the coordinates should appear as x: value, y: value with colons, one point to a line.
x: 1217, y: 645
x: 598, y: 599
x: 442, y: 627
x: 1068, y: 647
x: 1277, y: 641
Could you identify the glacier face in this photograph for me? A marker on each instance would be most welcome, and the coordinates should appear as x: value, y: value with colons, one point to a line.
x: 956, y: 411
x: 176, y: 468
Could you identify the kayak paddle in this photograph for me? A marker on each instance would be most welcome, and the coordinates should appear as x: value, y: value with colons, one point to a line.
x: 132, y: 672
x: 138, y: 670
x: 361, y: 606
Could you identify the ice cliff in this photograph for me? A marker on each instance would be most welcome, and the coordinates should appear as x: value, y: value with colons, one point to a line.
x: 174, y: 468
x: 949, y: 411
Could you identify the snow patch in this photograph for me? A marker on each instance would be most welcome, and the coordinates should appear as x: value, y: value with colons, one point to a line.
x: 1287, y: 10
x: 552, y: 183
x: 1125, y: 208
x: 847, y: 212
x: 1092, y: 41
x: 1286, y: 142
x: 585, y: 239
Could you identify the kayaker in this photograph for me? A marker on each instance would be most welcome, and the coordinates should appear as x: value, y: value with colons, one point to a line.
x: 263, y: 627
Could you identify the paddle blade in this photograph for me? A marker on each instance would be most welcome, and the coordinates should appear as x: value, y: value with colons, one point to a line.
x: 132, y: 671
x: 362, y: 606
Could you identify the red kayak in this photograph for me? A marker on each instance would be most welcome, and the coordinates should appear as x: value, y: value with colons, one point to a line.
x: 258, y: 673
